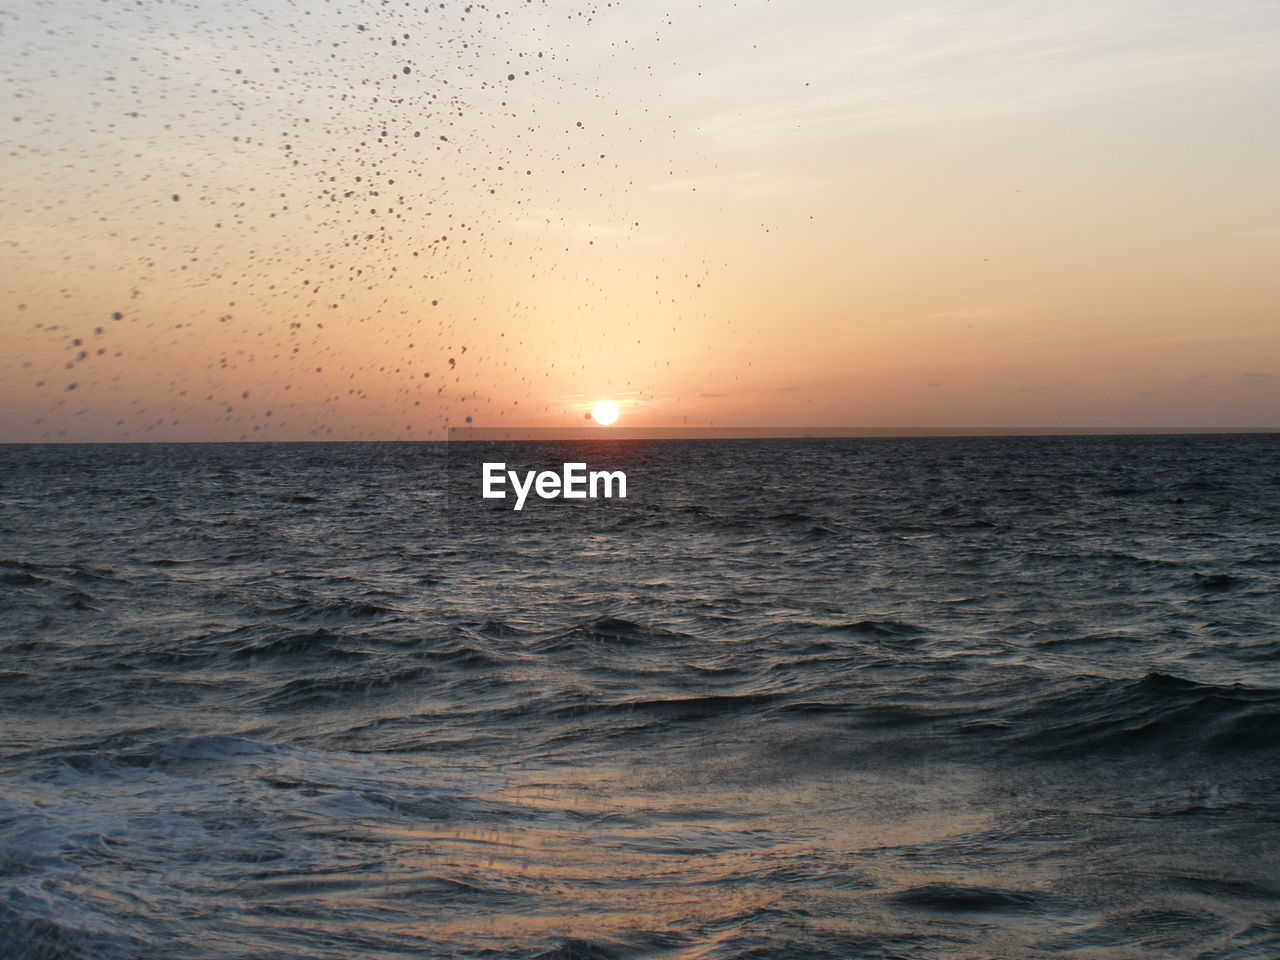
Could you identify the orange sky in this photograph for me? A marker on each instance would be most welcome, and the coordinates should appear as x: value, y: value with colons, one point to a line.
x: 977, y: 214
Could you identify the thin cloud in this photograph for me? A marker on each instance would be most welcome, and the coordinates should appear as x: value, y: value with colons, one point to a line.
x: 926, y: 65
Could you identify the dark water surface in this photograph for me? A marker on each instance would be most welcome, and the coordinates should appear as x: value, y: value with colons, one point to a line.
x: 984, y: 698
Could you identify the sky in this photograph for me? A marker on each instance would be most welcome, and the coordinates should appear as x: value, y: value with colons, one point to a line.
x: 345, y: 221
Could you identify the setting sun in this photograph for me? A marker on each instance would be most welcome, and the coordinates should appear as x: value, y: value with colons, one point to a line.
x: 605, y: 412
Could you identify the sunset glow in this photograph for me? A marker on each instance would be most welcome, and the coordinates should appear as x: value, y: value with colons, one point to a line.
x: 979, y: 214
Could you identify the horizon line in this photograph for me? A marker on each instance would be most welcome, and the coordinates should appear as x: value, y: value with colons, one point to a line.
x: 598, y: 432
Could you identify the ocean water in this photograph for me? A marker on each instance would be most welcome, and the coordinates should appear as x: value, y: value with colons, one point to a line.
x: 928, y: 698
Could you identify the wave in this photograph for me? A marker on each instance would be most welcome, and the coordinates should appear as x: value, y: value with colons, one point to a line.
x: 331, y: 608
x: 312, y: 644
x: 1157, y: 710
x: 31, y: 935
x: 1215, y: 582
x: 333, y: 690
x: 951, y: 898
x: 1073, y: 718
x: 675, y: 708
x: 610, y: 631
x: 891, y: 629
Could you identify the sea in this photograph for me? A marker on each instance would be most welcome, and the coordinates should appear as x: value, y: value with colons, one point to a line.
x: 987, y: 698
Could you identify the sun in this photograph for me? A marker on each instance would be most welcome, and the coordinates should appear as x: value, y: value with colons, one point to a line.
x: 605, y: 412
